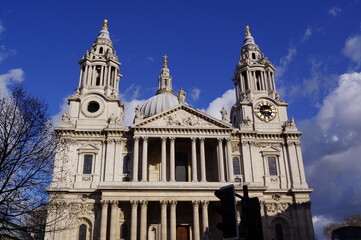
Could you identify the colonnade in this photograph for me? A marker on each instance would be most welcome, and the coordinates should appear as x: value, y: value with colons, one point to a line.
x: 221, y: 157
x: 108, y: 75
x: 197, y: 228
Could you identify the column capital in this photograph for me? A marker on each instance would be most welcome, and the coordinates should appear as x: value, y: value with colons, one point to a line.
x: 172, y: 139
x: 145, y: 139
x: 173, y: 203
x: 114, y: 203
x: 143, y: 203
x: 164, y: 203
x: 105, y: 203
x: 205, y: 203
x: 195, y: 204
x: 220, y: 139
x: 134, y: 203
x: 228, y: 140
x: 136, y: 138
x: 194, y: 139
x: 202, y: 139
x: 163, y: 138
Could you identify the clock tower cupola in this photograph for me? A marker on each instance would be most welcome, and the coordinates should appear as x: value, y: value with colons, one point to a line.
x: 257, y: 101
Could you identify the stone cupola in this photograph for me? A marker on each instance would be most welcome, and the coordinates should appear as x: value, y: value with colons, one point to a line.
x: 99, y: 68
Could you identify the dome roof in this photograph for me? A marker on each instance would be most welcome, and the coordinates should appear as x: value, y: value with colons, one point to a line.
x: 159, y: 103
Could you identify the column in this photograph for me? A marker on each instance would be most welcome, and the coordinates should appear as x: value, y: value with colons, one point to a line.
x: 145, y: 160
x: 113, y: 214
x: 173, y: 220
x: 230, y: 161
x: 194, y: 160
x: 108, y: 77
x: 204, y: 216
x: 195, y: 220
x: 101, y: 76
x: 164, y: 219
x: 203, y: 161
x: 135, y: 159
x: 172, y: 159
x: 103, y: 224
x: 133, y: 231
x: 143, y: 220
x: 88, y: 79
x: 164, y: 160
x: 220, y: 160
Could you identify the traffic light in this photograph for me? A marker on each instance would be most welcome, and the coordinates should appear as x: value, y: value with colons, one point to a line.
x: 227, y: 210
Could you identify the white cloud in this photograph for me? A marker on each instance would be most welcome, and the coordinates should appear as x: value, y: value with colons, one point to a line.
x: 195, y: 94
x: 319, y: 222
x: 129, y: 109
x: 334, y: 11
x: 285, y: 61
x: 307, y: 34
x: 331, y: 149
x: 150, y: 59
x: 56, y: 119
x: 352, y: 49
x: 2, y: 28
x: 227, y: 100
x: 13, y: 76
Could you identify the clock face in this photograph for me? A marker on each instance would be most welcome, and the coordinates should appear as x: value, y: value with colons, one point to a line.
x: 265, y: 111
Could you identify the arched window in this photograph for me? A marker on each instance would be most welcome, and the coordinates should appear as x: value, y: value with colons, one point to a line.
x: 126, y: 164
x: 236, y: 166
x: 253, y: 56
x: 279, y: 232
x: 100, y: 50
x: 82, y: 232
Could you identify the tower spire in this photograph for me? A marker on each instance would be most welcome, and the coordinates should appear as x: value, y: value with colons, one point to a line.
x: 164, y: 80
x: 105, y: 26
x: 248, y: 33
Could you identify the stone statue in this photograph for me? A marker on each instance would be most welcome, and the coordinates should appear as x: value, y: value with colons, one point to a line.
x: 224, y: 114
x: 181, y: 95
x: 138, y: 113
x: 65, y: 118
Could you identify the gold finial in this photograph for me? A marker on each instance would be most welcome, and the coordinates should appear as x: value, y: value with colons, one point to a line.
x: 247, y: 31
x: 105, y: 26
x: 165, y: 60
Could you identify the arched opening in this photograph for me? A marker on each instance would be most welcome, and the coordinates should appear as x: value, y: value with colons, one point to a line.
x: 279, y: 232
x: 253, y: 56
x: 101, y: 50
x: 98, y: 68
x: 82, y: 232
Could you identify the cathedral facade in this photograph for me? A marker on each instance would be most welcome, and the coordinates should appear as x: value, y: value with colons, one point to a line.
x: 156, y: 178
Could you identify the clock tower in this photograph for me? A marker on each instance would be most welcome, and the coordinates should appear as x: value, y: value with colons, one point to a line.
x: 257, y: 104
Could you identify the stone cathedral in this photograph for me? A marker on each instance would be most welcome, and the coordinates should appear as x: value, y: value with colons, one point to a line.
x: 156, y: 178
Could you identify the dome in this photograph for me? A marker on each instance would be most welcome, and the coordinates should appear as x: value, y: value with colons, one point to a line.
x: 159, y: 103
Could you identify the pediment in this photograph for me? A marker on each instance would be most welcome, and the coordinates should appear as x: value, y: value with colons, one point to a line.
x: 270, y: 151
x: 88, y: 148
x: 182, y: 116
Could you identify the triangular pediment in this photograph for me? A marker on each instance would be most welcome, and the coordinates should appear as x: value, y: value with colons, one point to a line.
x: 88, y: 147
x: 270, y: 151
x: 182, y: 116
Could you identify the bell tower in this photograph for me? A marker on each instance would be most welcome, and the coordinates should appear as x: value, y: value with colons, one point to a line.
x: 96, y: 105
x: 257, y: 101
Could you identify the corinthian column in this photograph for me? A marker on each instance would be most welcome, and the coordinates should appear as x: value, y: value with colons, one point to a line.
x: 195, y: 220
x: 114, y: 210
x: 172, y: 159
x: 194, y: 160
x: 103, y: 224
x: 164, y: 219
x: 133, y: 231
x: 143, y: 220
x: 203, y: 161
x: 135, y: 159
x: 164, y: 159
x: 230, y: 161
x: 173, y: 220
x: 204, y: 216
x: 145, y: 160
x: 220, y: 160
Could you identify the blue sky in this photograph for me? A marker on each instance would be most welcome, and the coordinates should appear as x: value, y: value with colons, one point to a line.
x: 315, y: 45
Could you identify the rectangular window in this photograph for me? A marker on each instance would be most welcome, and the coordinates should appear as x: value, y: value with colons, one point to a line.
x: 88, y: 162
x: 272, y: 165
